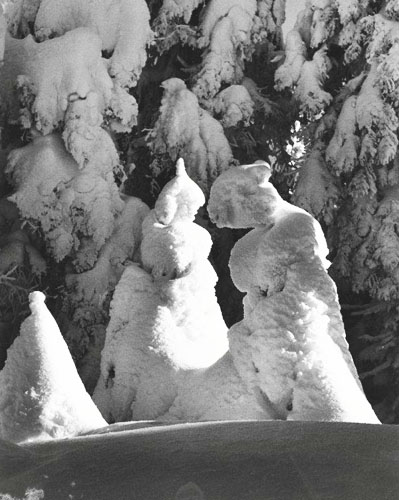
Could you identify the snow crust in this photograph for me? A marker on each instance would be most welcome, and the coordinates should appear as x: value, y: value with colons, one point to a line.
x: 41, y: 394
x: 164, y: 317
x: 292, y: 335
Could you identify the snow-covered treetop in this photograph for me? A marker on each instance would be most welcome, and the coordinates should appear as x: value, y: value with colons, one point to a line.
x: 242, y: 197
x: 180, y: 199
x: 41, y: 394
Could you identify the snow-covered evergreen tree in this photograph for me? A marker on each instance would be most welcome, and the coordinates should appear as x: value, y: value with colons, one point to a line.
x: 343, y: 72
x: 291, y: 343
x: 164, y: 318
x: 120, y: 89
x: 41, y: 394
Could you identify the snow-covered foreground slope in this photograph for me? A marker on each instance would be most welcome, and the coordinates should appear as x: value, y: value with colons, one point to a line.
x: 211, y: 461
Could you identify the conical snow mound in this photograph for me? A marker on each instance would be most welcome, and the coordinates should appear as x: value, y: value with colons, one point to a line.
x: 165, y: 320
x: 41, y: 394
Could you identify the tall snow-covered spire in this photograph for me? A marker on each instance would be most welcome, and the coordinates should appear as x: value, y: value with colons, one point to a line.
x: 165, y: 319
x: 41, y: 394
x: 291, y: 344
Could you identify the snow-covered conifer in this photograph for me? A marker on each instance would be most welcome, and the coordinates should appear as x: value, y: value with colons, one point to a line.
x: 291, y: 343
x: 355, y: 143
x: 41, y: 394
x: 164, y: 317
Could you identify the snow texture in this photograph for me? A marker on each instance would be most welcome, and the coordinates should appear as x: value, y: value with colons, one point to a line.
x: 63, y: 201
x: 291, y: 343
x: 309, y: 91
x: 226, y: 31
x: 185, y: 130
x: 342, y: 151
x: 378, y: 122
x: 235, y: 105
x: 41, y: 394
x: 63, y: 70
x: 317, y: 189
x: 217, y: 393
x: 164, y: 318
x: 287, y: 75
x: 121, y: 25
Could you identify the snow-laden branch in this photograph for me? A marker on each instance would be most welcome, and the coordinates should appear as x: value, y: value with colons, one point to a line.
x: 185, y: 129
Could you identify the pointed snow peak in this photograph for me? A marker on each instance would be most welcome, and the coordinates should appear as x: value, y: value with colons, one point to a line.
x: 36, y: 299
x: 180, y: 199
x: 41, y: 394
x: 180, y: 168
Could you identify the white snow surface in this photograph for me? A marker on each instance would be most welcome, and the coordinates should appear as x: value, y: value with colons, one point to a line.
x: 164, y: 318
x: 121, y: 25
x: 65, y: 201
x: 185, y: 130
x: 41, y: 394
x: 209, y: 461
x: 62, y: 70
x: 343, y: 149
x: 217, y: 393
x: 291, y: 343
x: 226, y: 31
x: 235, y: 105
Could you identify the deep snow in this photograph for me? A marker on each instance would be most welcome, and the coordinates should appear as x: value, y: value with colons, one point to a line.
x: 211, y: 461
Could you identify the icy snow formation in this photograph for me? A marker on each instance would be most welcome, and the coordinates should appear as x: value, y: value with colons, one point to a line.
x: 64, y: 201
x: 185, y: 130
x: 164, y: 318
x: 291, y: 343
x: 41, y: 394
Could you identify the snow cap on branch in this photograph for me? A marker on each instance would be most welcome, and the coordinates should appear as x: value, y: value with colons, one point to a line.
x: 123, y: 27
x: 185, y: 130
x: 41, y: 394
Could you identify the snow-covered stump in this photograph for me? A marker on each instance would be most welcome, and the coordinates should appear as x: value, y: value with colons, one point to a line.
x: 41, y: 394
x: 291, y: 343
x: 164, y: 319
